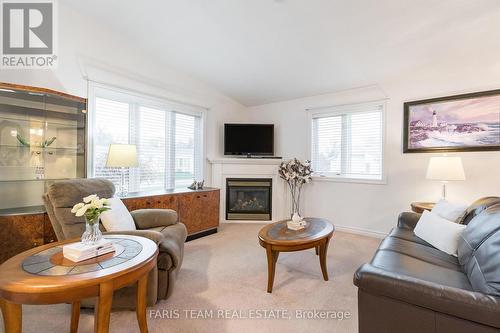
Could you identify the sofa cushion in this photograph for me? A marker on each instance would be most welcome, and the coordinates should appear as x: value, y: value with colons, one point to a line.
x: 417, y: 251
x: 407, y: 234
x: 479, y: 251
x: 477, y: 207
x: 441, y: 233
x: 118, y: 217
x: 448, y: 210
x: 453, y: 297
x: 406, y: 265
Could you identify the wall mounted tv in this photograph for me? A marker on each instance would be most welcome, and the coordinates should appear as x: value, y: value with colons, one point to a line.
x: 249, y: 139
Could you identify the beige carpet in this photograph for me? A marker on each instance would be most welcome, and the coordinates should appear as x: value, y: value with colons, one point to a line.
x: 225, y: 275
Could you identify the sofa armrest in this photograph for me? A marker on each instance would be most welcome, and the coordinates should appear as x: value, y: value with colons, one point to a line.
x: 408, y: 220
x: 457, y: 302
x: 155, y: 236
x: 151, y: 218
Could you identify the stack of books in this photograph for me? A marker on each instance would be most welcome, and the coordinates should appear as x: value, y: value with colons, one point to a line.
x: 78, y: 251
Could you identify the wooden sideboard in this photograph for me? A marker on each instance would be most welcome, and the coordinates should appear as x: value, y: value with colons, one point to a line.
x: 198, y: 210
x: 23, y: 229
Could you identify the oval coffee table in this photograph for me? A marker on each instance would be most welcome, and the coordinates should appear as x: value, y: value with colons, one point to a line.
x: 43, y: 276
x: 276, y: 238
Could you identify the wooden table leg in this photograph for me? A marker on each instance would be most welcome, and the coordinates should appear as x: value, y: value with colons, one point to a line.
x: 102, y: 309
x: 272, y: 257
x: 316, y: 249
x: 12, y: 316
x: 75, y: 316
x: 142, y: 288
x: 323, y: 248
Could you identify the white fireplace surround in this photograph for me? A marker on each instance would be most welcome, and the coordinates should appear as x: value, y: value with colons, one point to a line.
x: 223, y: 168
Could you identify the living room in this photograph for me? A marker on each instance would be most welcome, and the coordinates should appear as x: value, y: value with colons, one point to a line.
x: 258, y: 166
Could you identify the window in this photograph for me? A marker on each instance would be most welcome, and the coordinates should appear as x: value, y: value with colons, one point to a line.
x: 168, y: 136
x: 347, y: 142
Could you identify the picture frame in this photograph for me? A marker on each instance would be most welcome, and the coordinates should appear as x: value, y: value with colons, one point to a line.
x: 458, y: 123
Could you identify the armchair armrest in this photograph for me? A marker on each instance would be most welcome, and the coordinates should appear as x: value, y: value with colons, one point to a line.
x: 153, y: 235
x: 173, y: 243
x: 151, y: 218
x: 453, y: 301
x: 408, y: 220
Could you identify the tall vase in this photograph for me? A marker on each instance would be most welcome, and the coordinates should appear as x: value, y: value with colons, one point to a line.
x: 92, y: 233
x: 295, y: 212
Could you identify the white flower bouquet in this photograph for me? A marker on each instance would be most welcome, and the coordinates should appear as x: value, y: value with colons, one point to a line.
x: 92, y: 207
x: 296, y: 173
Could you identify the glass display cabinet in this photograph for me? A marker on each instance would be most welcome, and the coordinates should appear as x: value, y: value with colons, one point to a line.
x: 42, y: 139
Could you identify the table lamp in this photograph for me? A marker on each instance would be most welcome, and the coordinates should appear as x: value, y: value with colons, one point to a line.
x: 122, y: 156
x: 445, y: 169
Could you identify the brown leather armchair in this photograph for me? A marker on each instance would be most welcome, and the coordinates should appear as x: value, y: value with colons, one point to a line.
x: 159, y: 225
x: 412, y: 287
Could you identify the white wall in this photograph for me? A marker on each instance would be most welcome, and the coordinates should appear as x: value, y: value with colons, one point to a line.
x: 369, y: 207
x: 85, y: 45
x: 87, y: 48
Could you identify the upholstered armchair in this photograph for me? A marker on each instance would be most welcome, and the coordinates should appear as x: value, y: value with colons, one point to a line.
x: 159, y: 225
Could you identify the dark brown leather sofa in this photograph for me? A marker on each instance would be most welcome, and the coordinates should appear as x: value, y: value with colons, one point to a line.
x: 410, y: 286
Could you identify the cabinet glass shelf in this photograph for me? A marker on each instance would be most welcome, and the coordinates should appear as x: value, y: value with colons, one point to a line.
x: 42, y: 139
x: 41, y: 149
x: 34, y: 180
x: 41, y: 121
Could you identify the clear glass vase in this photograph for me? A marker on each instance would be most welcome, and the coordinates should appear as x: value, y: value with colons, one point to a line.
x: 92, y: 233
x: 295, y: 209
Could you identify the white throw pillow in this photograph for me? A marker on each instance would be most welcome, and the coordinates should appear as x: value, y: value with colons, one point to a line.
x: 118, y: 218
x: 450, y: 211
x: 439, y: 232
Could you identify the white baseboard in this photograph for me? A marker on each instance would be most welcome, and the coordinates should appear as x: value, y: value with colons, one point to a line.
x: 360, y: 231
x: 343, y: 228
x: 245, y: 222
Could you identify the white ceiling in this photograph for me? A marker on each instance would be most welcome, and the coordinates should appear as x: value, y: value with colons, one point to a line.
x: 261, y: 51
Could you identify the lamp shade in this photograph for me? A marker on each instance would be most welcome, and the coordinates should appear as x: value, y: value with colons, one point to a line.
x: 122, y: 156
x: 445, y: 168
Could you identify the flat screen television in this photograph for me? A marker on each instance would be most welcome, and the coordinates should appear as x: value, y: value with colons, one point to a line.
x: 249, y: 139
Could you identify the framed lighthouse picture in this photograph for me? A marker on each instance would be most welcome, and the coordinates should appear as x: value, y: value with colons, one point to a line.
x: 467, y: 122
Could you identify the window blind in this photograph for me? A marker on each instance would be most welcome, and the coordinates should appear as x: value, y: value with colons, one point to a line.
x: 111, y: 126
x: 188, y: 150
x: 348, y: 143
x: 169, y: 141
x: 151, y: 147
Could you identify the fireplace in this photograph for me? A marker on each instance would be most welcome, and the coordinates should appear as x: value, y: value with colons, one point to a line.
x: 248, y: 198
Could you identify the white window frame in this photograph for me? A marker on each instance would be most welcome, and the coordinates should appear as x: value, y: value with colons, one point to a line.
x: 336, y: 110
x: 96, y: 89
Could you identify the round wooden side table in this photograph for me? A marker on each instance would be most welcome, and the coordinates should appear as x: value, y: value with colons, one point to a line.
x: 420, y: 207
x: 43, y: 276
x: 276, y: 238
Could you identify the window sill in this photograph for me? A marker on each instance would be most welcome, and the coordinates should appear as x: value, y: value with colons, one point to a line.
x: 382, y: 181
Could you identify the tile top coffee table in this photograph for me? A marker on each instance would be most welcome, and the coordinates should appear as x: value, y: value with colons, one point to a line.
x: 43, y: 276
x: 276, y: 238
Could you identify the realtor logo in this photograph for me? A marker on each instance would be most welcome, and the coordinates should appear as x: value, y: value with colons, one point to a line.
x: 28, y: 34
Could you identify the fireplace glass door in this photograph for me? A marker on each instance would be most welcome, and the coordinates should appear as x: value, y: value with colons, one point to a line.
x: 248, y: 199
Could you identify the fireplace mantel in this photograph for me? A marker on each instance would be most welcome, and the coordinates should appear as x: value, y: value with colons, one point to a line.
x: 223, y: 168
x: 245, y: 160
